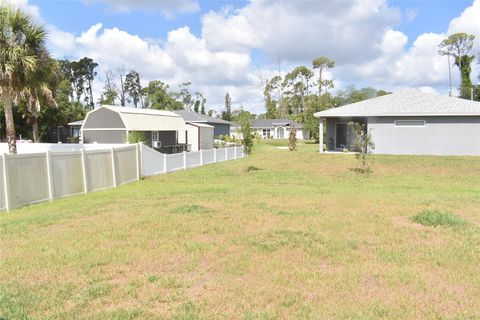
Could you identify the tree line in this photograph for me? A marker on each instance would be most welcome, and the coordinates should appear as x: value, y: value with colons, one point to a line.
x: 40, y: 93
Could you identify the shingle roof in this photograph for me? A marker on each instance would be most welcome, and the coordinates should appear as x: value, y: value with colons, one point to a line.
x: 190, y: 116
x: 270, y: 123
x: 408, y: 102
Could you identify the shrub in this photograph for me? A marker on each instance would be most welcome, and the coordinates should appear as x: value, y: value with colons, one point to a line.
x: 136, y: 136
x: 436, y: 218
x: 245, y: 122
x: 363, y: 146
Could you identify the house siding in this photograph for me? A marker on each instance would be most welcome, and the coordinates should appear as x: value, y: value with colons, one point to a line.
x: 104, y: 136
x: 206, y: 138
x: 220, y: 129
x: 440, y: 136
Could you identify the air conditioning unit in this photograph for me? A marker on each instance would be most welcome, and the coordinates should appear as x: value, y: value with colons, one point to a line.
x: 156, y: 144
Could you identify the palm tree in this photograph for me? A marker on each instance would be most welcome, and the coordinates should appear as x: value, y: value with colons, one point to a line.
x: 39, y: 91
x: 21, y: 42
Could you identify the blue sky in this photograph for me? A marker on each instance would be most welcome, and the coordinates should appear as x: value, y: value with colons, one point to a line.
x: 233, y: 46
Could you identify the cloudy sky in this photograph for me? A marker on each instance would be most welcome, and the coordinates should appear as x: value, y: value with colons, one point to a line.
x: 231, y: 46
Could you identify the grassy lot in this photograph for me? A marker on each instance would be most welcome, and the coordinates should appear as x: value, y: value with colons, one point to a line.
x: 281, y: 234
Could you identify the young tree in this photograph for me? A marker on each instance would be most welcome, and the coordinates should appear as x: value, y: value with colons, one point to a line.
x: 322, y: 64
x: 460, y: 45
x: 363, y: 146
x: 292, y: 139
x: 110, y: 91
x: 227, y: 114
x: 20, y: 42
x: 133, y: 88
x: 120, y: 72
x: 245, y: 122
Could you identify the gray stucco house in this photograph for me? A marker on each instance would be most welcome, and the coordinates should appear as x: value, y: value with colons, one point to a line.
x: 221, y: 127
x: 407, y: 122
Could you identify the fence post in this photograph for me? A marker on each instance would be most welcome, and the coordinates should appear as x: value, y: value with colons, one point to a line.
x: 165, y: 163
x: 184, y: 160
x: 214, y: 155
x: 84, y: 170
x: 5, y: 182
x: 201, y: 157
x: 114, y: 173
x: 235, y: 152
x: 140, y: 158
x: 49, y: 175
x: 137, y: 159
x: 226, y: 153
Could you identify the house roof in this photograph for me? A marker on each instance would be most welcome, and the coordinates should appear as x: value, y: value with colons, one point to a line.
x: 271, y: 123
x: 76, y: 123
x: 408, y: 102
x: 190, y: 116
x: 199, y: 124
x: 140, y: 119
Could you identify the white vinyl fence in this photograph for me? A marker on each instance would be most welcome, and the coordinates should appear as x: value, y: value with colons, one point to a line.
x: 35, y: 177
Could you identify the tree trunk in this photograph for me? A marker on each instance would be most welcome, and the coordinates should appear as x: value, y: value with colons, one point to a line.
x: 7, y: 106
x: 36, y: 135
x: 320, y: 81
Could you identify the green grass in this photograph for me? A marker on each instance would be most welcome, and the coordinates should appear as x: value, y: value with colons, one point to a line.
x: 278, y: 235
x: 436, y: 218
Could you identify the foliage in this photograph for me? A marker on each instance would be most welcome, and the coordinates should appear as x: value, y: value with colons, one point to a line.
x: 363, y: 146
x: 292, y: 139
x: 227, y: 114
x: 136, y: 136
x: 436, y: 218
x: 322, y: 64
x: 158, y: 97
x: 245, y: 123
x: 133, y: 88
x: 460, y: 46
x: 21, y: 44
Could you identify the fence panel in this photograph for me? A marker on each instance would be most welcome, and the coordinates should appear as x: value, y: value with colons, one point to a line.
x: 231, y: 153
x: 27, y: 179
x: 193, y: 159
x: 208, y: 156
x: 3, y: 202
x: 240, y: 153
x: 67, y: 175
x: 152, y: 161
x: 174, y: 162
x: 99, y: 169
x: 220, y: 154
x: 125, y: 164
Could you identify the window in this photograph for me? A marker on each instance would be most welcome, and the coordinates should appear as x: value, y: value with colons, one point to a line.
x: 154, y: 135
x: 409, y: 123
x: 266, y: 133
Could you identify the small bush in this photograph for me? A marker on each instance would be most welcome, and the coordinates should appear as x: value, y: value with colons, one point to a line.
x: 436, y: 218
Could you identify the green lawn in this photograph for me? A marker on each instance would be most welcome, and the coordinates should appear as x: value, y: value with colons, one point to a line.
x: 292, y: 235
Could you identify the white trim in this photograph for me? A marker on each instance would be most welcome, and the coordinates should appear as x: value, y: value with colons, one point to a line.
x: 363, y: 115
x: 105, y: 129
x: 397, y: 125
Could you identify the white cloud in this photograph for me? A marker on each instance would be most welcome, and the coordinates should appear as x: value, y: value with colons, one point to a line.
x: 168, y: 8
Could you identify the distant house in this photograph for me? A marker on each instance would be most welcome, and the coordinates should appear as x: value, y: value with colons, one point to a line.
x: 221, y: 127
x: 407, y: 122
x: 164, y: 131
x: 277, y: 128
